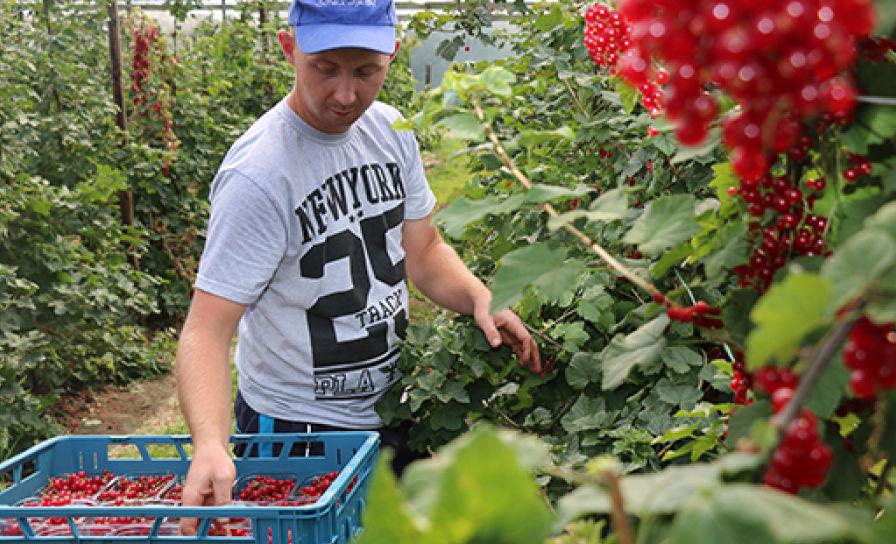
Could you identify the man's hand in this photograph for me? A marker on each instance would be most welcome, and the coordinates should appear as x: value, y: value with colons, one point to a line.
x: 506, y: 327
x: 209, y: 482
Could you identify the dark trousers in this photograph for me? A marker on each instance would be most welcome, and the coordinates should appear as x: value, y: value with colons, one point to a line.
x: 249, y: 421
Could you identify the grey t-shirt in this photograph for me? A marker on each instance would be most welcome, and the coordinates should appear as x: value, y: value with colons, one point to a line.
x: 305, y: 229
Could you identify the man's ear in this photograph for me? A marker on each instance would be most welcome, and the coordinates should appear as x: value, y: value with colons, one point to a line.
x: 395, y: 52
x: 287, y: 41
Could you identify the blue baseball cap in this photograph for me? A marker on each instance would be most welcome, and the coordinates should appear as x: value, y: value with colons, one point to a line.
x: 334, y: 24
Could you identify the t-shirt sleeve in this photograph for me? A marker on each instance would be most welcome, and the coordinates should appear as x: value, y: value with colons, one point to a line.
x: 246, y: 240
x: 420, y: 199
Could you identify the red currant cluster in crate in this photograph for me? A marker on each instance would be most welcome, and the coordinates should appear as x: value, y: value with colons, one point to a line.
x: 267, y: 489
x: 77, y: 485
x: 124, y: 490
x: 106, y: 489
x: 870, y: 356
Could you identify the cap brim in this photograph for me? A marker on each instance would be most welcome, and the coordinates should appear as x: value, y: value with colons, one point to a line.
x: 317, y: 38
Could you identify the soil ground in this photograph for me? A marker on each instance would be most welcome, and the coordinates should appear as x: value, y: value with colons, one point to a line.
x: 145, y: 407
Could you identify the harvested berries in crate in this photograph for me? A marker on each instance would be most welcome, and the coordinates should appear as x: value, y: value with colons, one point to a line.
x: 71, y: 487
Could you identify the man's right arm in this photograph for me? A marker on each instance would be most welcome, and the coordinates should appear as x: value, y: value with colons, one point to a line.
x: 204, y: 389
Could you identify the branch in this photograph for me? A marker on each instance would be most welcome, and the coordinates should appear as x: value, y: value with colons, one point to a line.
x: 609, y: 480
x: 879, y: 100
x: 884, y: 476
x: 576, y: 98
x: 819, y: 363
x: 617, y: 514
x: 576, y: 233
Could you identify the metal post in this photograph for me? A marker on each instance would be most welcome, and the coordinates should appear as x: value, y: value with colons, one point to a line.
x: 125, y: 197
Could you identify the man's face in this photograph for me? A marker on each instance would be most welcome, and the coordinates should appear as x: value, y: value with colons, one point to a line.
x: 334, y: 88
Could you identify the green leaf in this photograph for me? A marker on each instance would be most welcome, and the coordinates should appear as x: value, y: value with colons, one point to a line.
x: 664, y: 492
x: 791, y: 518
x: 830, y: 389
x: 784, y: 315
x: 627, y: 94
x: 561, y: 284
x: 447, y: 48
x: 733, y: 250
x: 849, y: 481
x: 666, y: 222
x: 885, y: 527
x: 611, y: 206
x: 587, y: 413
x: 857, y: 264
x: 462, y: 212
x: 723, y: 178
x: 705, y: 520
x: 463, y: 125
x: 886, y: 17
x: 670, y: 258
x: 452, y: 391
x: 884, y: 219
x: 544, y: 193
x: 704, y: 150
x: 873, y: 125
x: 677, y: 433
x: 573, y: 334
x: 888, y: 436
x: 642, y: 347
x: 485, y: 496
x: 680, y: 359
x: 523, y: 267
x: 740, y: 424
x: 583, y: 369
x: 683, y: 395
x: 498, y: 80
x: 385, y: 518
x: 548, y: 20
x: 531, y: 138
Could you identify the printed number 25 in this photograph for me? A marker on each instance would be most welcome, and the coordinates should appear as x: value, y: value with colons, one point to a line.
x: 346, y: 244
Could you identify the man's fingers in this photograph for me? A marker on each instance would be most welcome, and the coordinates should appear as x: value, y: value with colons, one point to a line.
x: 534, y: 356
x: 487, y: 324
x: 515, y: 335
x: 192, y: 496
x: 188, y: 526
x: 222, y: 490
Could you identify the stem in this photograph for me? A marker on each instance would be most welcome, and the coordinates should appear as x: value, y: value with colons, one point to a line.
x: 617, y: 514
x: 507, y: 418
x: 576, y: 233
x: 821, y: 360
x: 880, y: 100
x: 576, y: 98
x: 543, y: 336
x: 884, y: 476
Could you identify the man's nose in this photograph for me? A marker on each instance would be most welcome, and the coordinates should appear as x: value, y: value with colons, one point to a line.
x: 345, y: 92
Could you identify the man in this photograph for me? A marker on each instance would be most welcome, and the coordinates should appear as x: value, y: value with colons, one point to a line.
x: 318, y: 210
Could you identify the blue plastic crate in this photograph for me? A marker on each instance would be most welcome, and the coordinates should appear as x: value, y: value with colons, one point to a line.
x: 334, y: 519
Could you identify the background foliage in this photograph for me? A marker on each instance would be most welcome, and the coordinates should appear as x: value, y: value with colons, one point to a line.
x: 73, y: 311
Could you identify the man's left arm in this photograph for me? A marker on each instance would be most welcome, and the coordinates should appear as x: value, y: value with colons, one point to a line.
x: 436, y: 270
